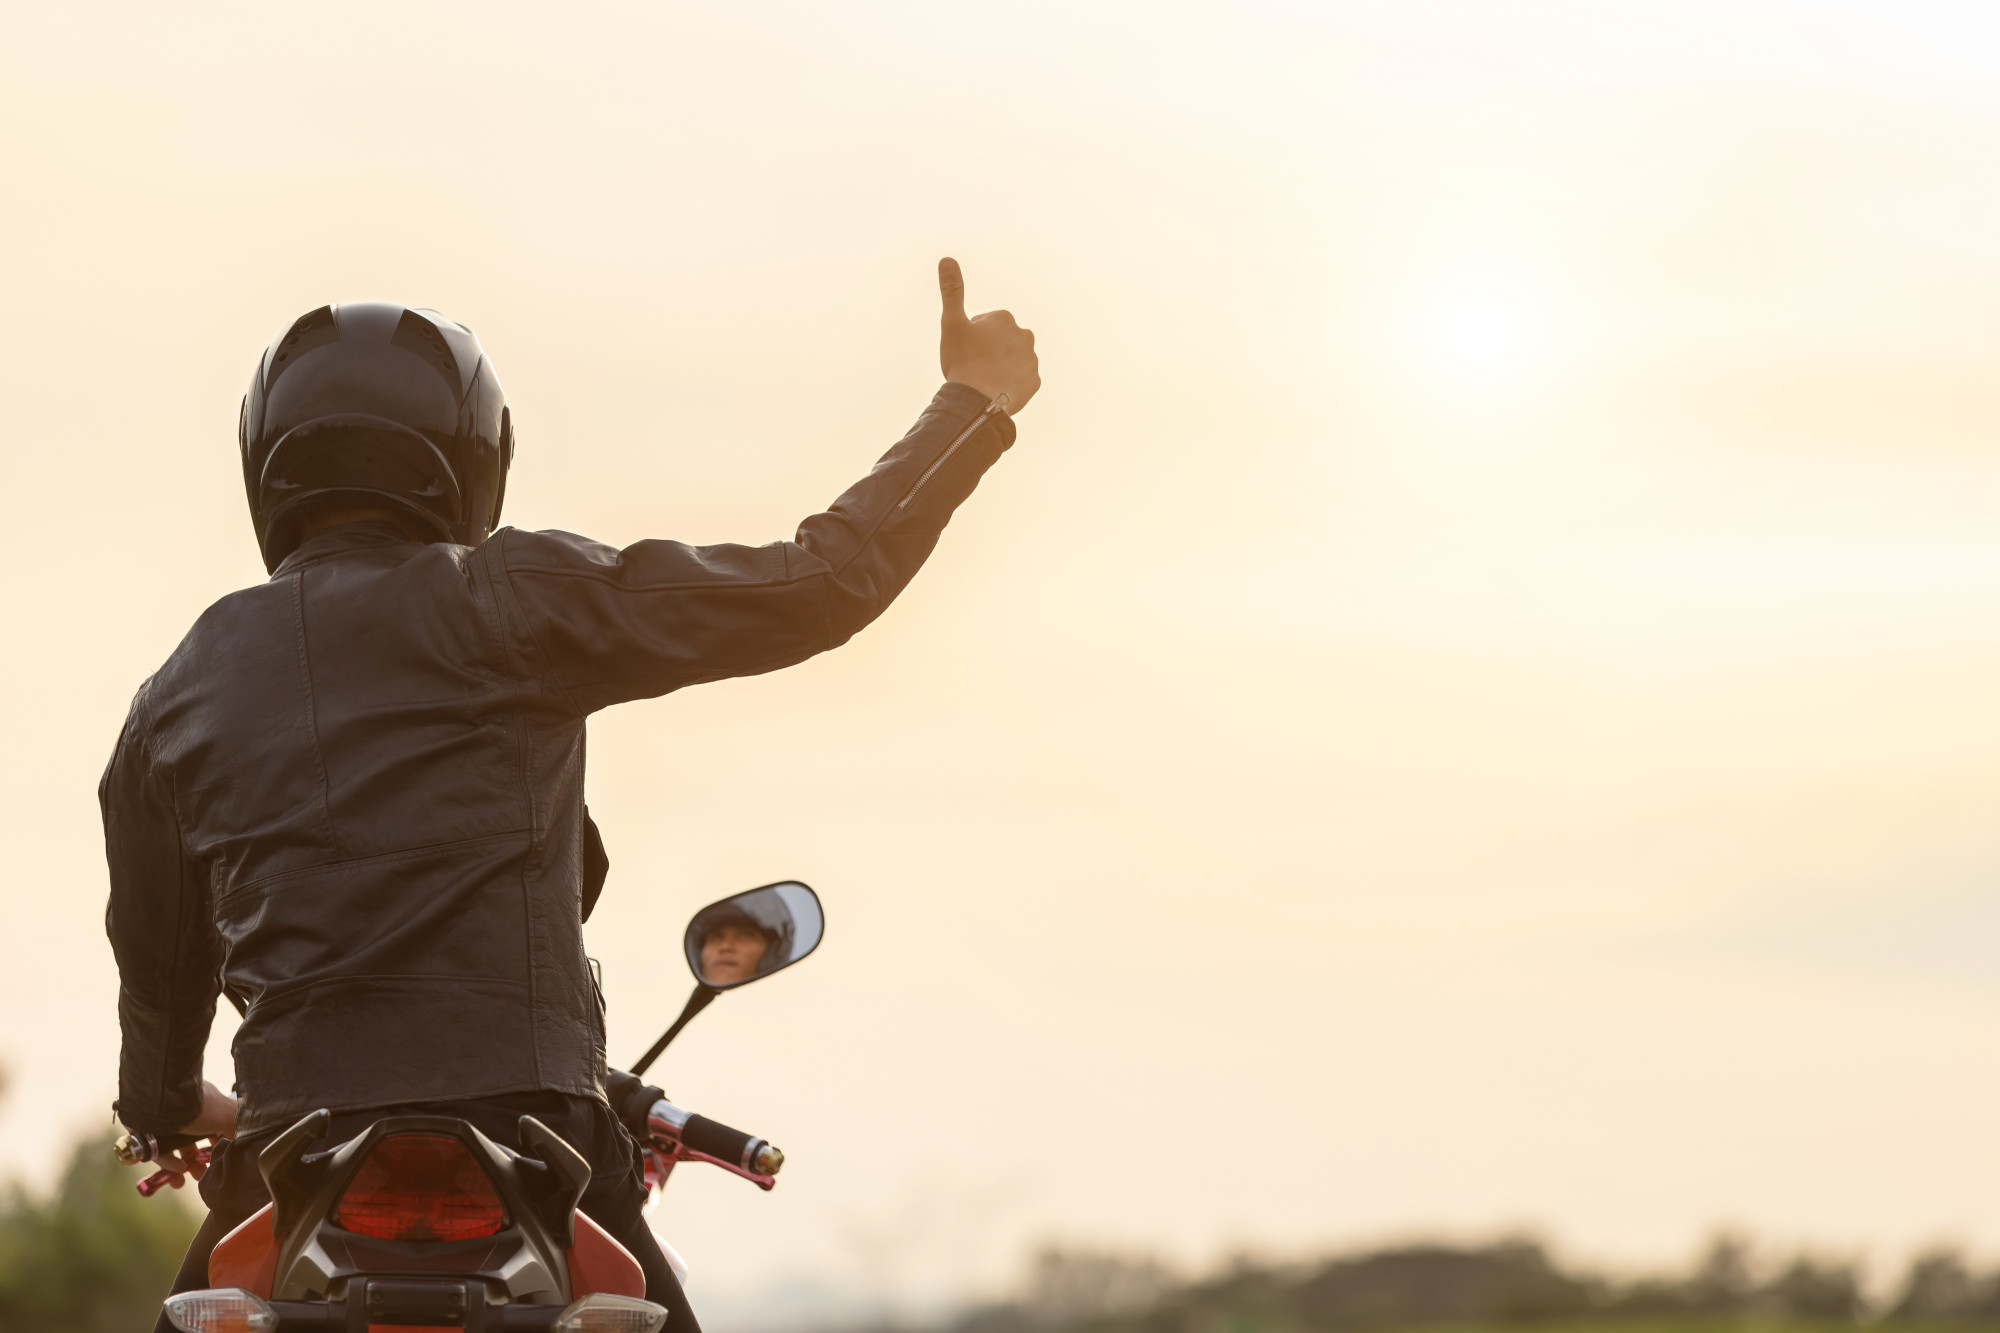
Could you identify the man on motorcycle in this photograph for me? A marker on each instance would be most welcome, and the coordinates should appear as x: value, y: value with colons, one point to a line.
x: 352, y: 799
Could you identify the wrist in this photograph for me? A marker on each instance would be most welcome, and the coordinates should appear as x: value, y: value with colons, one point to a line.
x: 987, y: 387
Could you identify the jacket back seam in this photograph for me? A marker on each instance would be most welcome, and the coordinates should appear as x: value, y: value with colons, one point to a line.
x: 312, y: 712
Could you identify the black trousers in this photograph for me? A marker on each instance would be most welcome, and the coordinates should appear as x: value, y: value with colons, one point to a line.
x: 234, y: 1190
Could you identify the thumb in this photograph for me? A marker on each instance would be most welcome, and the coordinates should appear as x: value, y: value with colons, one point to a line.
x: 951, y: 285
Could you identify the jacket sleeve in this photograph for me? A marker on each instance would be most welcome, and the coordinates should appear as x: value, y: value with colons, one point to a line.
x: 615, y: 625
x: 164, y: 937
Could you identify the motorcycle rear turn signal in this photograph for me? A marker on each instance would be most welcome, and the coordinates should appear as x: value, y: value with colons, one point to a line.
x: 221, y: 1310
x: 604, y: 1313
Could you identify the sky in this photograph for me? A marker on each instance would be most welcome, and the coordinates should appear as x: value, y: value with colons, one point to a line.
x: 1472, y: 707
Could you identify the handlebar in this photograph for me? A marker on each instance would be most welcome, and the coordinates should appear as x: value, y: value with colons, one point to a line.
x: 675, y: 1133
x: 711, y: 1138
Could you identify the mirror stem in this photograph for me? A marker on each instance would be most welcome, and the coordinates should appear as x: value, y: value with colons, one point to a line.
x: 697, y: 1002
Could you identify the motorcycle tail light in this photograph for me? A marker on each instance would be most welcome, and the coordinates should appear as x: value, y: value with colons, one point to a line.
x: 221, y: 1310
x: 604, y: 1313
x: 424, y: 1187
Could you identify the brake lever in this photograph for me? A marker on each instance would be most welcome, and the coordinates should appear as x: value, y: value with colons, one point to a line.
x: 168, y: 1178
x: 135, y: 1149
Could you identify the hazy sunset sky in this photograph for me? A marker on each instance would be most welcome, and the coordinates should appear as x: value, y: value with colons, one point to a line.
x: 1474, y: 703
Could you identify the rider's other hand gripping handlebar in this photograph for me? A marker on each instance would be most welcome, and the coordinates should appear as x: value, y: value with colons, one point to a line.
x: 179, y: 1151
x: 631, y: 1097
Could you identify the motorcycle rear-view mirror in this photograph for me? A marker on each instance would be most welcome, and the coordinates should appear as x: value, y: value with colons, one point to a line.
x: 740, y: 939
x: 748, y: 936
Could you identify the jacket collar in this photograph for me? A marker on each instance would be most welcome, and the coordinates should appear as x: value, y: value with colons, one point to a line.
x: 368, y: 535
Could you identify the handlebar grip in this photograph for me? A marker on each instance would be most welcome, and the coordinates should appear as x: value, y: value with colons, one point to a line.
x: 719, y: 1140
x: 713, y: 1138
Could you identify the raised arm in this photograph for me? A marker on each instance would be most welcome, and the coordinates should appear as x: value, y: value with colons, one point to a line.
x: 612, y: 625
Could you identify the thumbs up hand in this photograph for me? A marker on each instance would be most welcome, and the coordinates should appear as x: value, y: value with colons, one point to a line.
x: 989, y: 352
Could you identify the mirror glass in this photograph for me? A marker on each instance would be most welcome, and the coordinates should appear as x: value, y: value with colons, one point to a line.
x: 753, y: 934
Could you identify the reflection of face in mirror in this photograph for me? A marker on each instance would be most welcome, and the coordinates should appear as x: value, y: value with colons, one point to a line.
x: 732, y: 952
x: 753, y: 934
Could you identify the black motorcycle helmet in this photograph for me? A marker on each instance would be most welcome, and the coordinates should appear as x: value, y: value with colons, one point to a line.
x: 375, y: 405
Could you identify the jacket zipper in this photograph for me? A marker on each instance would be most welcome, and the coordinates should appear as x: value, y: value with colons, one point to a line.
x: 997, y: 405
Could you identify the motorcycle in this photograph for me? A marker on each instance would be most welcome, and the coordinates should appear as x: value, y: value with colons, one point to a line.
x: 424, y: 1223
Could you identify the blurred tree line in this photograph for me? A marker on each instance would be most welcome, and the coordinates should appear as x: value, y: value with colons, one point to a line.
x: 92, y: 1257
x: 1514, y: 1282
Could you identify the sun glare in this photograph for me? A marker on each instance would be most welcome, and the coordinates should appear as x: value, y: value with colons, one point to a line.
x: 1482, y: 335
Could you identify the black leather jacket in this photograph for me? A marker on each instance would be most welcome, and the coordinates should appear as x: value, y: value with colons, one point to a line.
x: 354, y: 794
